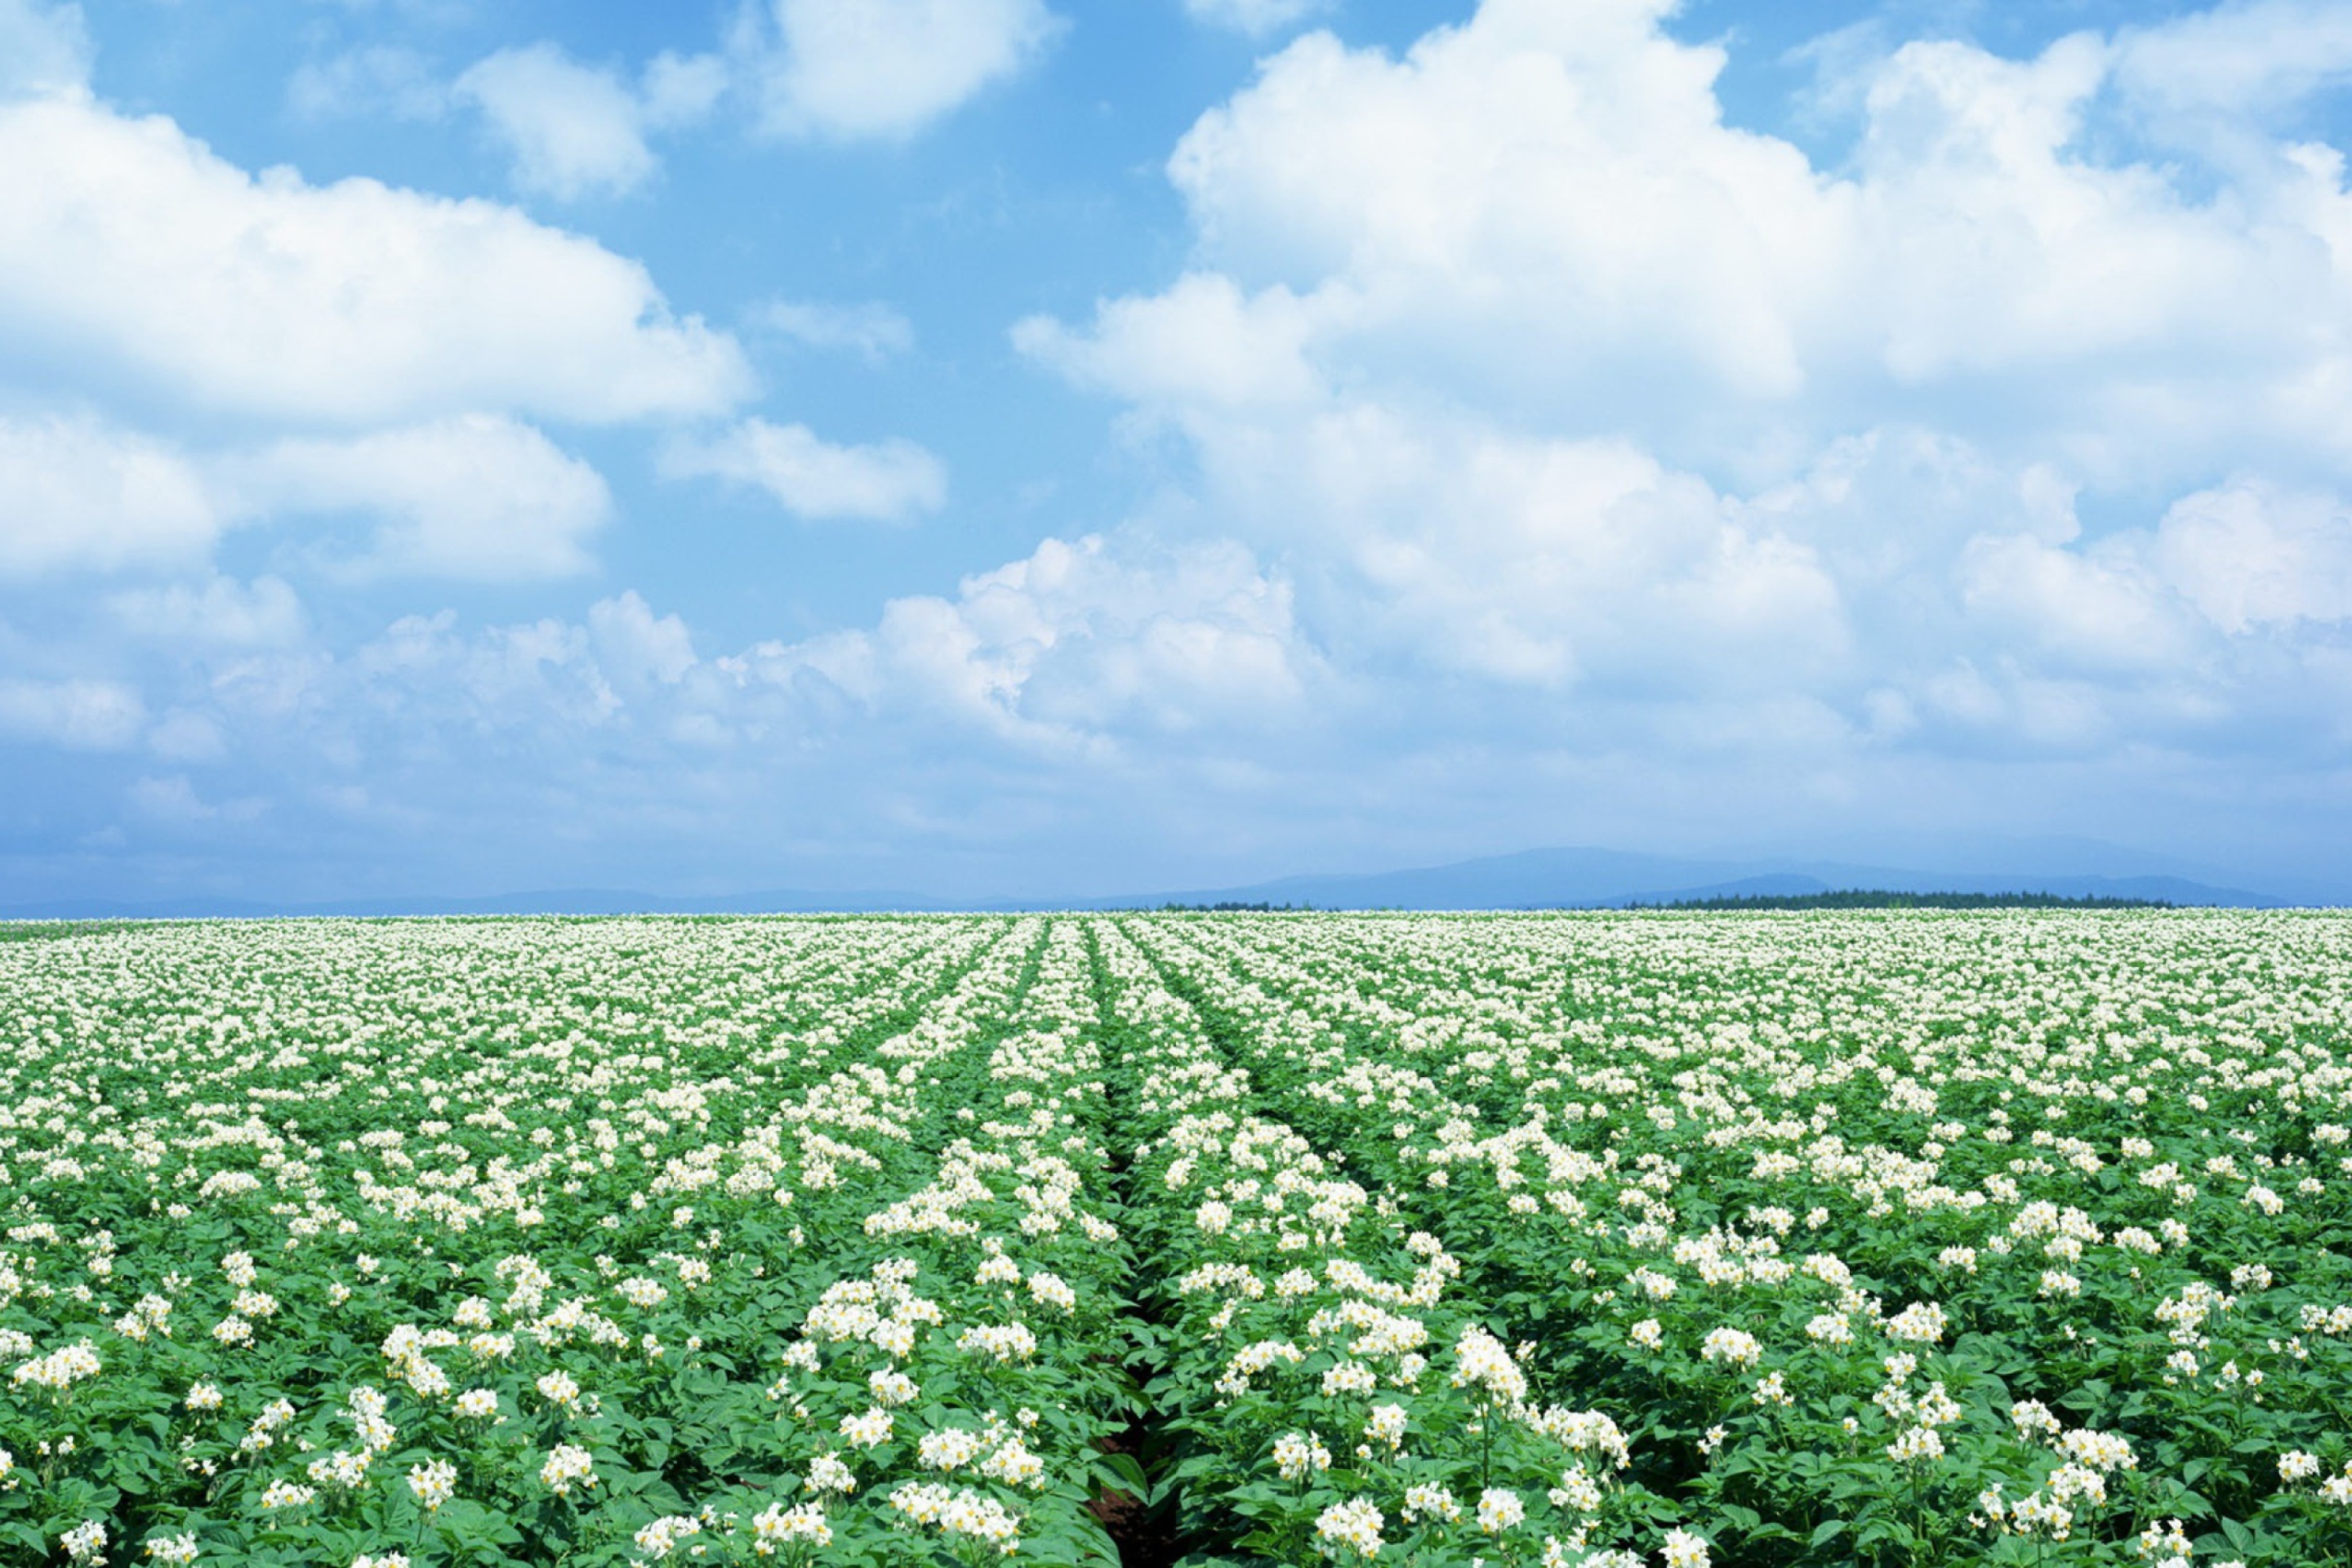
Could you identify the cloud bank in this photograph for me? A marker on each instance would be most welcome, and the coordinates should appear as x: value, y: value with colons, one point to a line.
x: 1522, y: 452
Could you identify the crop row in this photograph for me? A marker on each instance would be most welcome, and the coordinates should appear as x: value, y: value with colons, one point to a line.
x: 1442, y: 1240
x: 2068, y: 1240
x: 776, y: 1247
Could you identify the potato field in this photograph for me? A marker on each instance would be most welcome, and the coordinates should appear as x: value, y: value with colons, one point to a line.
x: 1608, y: 1239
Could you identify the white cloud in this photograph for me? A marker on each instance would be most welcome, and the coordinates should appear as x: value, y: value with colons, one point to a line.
x: 78, y: 494
x: 874, y: 332
x: 79, y: 715
x: 2256, y: 58
x: 2250, y: 554
x: 2098, y: 609
x: 1454, y: 545
x: 627, y: 678
x: 1256, y: 17
x: 1538, y: 371
x: 635, y: 646
x: 1543, y: 212
x: 889, y: 481
x: 131, y: 251
x: 1200, y: 343
x: 681, y: 90
x: 475, y: 496
x: 181, y: 736
x: 169, y: 799
x: 569, y: 130
x: 573, y: 130
x: 1546, y: 190
x: 219, y: 612
x: 1524, y: 437
x: 839, y: 69
x: 387, y: 79
x: 2063, y: 269
x: 531, y: 676
x: 1074, y: 645
x: 43, y: 48
x: 883, y: 70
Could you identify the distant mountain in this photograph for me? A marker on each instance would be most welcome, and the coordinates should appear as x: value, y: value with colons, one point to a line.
x: 1608, y: 879
x: 1531, y: 880
x: 565, y: 902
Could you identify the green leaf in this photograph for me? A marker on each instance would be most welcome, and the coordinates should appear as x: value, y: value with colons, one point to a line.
x: 1130, y: 1474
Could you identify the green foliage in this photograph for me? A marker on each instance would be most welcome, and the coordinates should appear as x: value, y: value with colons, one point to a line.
x: 1869, y: 1238
x: 1870, y: 898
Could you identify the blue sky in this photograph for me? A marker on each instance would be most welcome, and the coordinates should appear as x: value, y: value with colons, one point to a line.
x: 1027, y: 446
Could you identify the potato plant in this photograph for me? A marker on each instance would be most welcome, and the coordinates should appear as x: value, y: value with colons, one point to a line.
x: 1445, y: 1240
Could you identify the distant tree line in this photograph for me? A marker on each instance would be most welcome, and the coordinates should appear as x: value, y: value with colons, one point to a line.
x: 51, y: 931
x: 1873, y: 898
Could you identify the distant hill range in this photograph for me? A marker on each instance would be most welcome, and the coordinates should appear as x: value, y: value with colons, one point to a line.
x: 1533, y: 879
x: 559, y: 901
x: 1608, y: 879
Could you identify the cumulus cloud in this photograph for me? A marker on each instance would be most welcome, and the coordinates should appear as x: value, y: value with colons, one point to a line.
x: 1540, y: 372
x: 636, y: 647
x: 572, y: 130
x: 2099, y: 608
x: 1444, y: 542
x: 475, y: 496
x: 531, y: 678
x: 1548, y: 190
x: 830, y: 69
x: 2257, y: 57
x: 681, y: 90
x: 569, y: 130
x: 81, y: 715
x: 1070, y: 652
x: 1201, y: 344
x: 219, y: 612
x: 79, y: 494
x: 133, y: 252
x: 1542, y: 211
x: 882, y: 69
x: 170, y: 799
x: 888, y: 481
x: 358, y: 352
x: 1074, y: 643
x: 2250, y: 554
x: 44, y: 48
x: 1522, y: 433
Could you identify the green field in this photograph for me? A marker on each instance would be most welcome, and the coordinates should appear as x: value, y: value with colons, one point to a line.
x: 1885, y: 1236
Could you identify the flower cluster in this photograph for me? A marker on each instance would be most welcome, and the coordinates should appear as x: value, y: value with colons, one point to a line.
x: 1435, y: 1205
